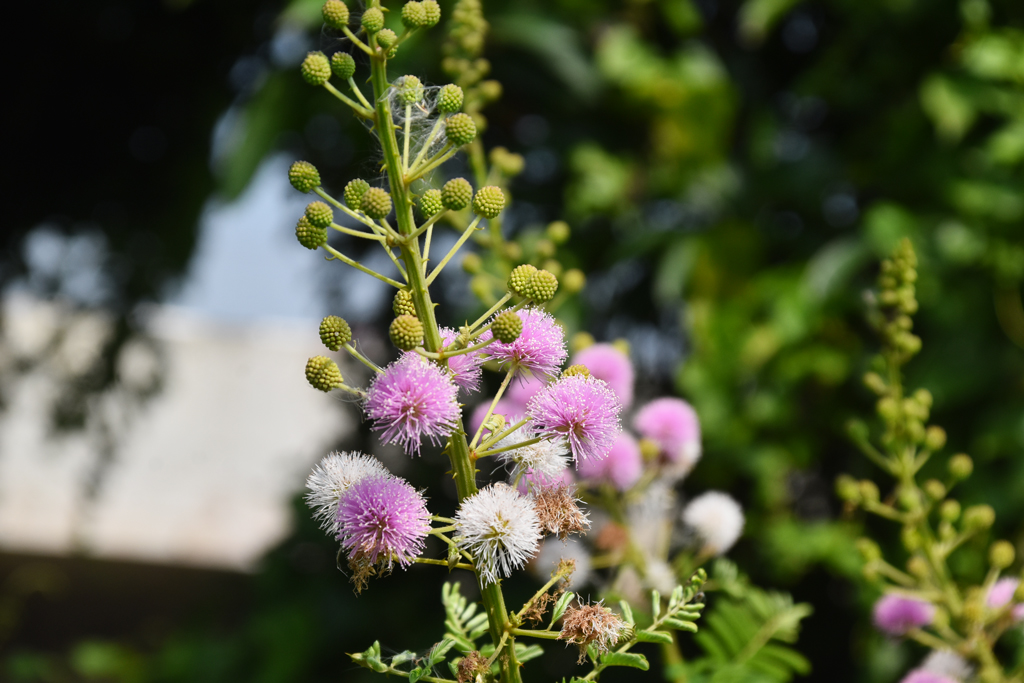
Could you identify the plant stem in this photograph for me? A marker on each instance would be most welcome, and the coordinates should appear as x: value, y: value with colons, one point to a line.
x: 528, y: 442
x: 334, y: 253
x: 497, y: 396
x: 362, y: 359
x: 454, y: 250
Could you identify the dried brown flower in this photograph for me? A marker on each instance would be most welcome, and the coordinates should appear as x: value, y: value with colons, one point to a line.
x: 592, y: 624
x: 558, y: 512
x: 471, y: 666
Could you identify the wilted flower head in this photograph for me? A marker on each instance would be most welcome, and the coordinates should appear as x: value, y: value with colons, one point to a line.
x: 581, y: 409
x: 1000, y: 595
x: 499, y: 528
x: 717, y: 518
x: 622, y: 467
x: 411, y: 399
x: 546, y: 459
x: 607, y: 362
x: 331, y: 477
x: 592, y: 624
x: 383, y: 519
x: 673, y: 425
x: 539, y: 349
x: 558, y: 512
x: 895, y: 614
x: 465, y: 367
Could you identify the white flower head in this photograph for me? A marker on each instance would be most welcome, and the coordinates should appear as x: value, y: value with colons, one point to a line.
x: 948, y: 664
x: 548, y: 458
x: 717, y: 518
x: 331, y: 477
x: 499, y: 528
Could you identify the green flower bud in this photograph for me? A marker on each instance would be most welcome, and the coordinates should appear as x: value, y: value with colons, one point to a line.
x: 316, y: 68
x: 387, y: 39
x: 431, y: 203
x: 961, y: 466
x: 489, y: 90
x: 488, y: 201
x: 935, y: 489
x: 403, y: 304
x: 460, y: 129
x: 949, y: 510
x: 918, y: 566
x: 376, y: 203
x: 309, y: 235
x: 904, y: 322
x: 545, y: 248
x: 411, y: 89
x: 909, y: 343
x: 924, y: 397
x: 973, y: 609
x: 915, y: 430
x: 506, y: 327
x: 303, y: 176
x: 573, y: 280
x: 413, y: 15
x: 335, y: 14
x: 319, y: 214
x: 558, y: 232
x: 406, y: 332
x: 480, y: 285
x: 507, y: 162
x: 978, y: 517
x: 1018, y: 595
x: 553, y: 267
x: 456, y: 194
x: 354, y: 192
x: 343, y: 65
x: 472, y: 263
x: 868, y: 491
x: 574, y: 370
x: 543, y: 286
x: 934, y: 438
x: 323, y: 373
x: 1001, y: 554
x: 847, y: 489
x: 580, y: 341
x: 335, y: 332
x: 908, y: 498
x: 868, y: 549
x: 432, y: 12
x: 649, y: 450
x: 519, y: 279
x: 513, y: 252
x: 372, y: 20
x: 888, y: 408
x: 874, y: 382
x: 911, y: 538
x: 449, y: 99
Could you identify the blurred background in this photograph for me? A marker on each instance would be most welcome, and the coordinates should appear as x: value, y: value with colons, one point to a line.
x: 732, y: 170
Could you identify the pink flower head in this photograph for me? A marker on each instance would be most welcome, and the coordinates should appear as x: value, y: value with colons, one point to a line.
x: 583, y: 410
x: 411, y: 399
x: 673, y: 425
x: 608, y: 363
x: 465, y: 367
x: 925, y: 676
x: 622, y: 468
x: 519, y: 393
x: 896, y: 614
x: 1001, y: 594
x: 539, y: 349
x: 383, y: 517
x: 534, y: 480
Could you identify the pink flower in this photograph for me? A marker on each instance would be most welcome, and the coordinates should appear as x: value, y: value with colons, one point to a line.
x: 1000, y: 595
x: 383, y: 517
x: 539, y: 349
x: 925, y: 676
x: 535, y: 480
x: 411, y: 399
x: 583, y: 410
x: 608, y: 363
x: 622, y: 468
x: 673, y: 425
x: 896, y: 614
x: 465, y: 367
x: 521, y: 391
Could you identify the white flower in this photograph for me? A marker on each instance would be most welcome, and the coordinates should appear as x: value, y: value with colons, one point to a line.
x: 548, y: 458
x: 948, y: 664
x: 717, y: 519
x: 331, y: 477
x: 499, y: 528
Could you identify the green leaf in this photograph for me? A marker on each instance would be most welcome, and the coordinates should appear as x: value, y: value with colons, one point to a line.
x: 632, y: 659
x: 681, y: 625
x: 561, y: 605
x: 654, y: 637
x: 627, y: 612
x: 655, y: 604
x: 417, y: 673
x: 403, y: 657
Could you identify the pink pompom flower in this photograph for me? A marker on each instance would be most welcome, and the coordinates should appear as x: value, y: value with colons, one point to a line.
x: 383, y: 518
x: 622, y: 468
x: 608, y: 363
x: 925, y: 676
x: 465, y: 367
x: 673, y: 425
x: 413, y: 398
x: 539, y: 349
x: 581, y: 409
x: 895, y: 614
x: 519, y: 393
x: 1000, y: 595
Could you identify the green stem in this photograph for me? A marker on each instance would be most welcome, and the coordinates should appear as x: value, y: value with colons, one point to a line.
x: 442, y: 563
x: 454, y: 250
x: 358, y: 43
x: 359, y: 266
x: 521, y: 444
x: 546, y: 635
x: 405, y: 138
x: 497, y: 396
x: 430, y: 139
x: 359, y: 93
x: 491, y: 311
x: 446, y: 153
x: 486, y: 327
x: 362, y: 359
x: 359, y: 109
x: 426, y: 224
x: 494, y: 438
x: 536, y: 596
x: 338, y: 205
x: 356, y: 233
x: 457, y: 352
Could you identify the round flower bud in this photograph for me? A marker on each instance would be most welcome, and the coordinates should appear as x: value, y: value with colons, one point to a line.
x: 319, y: 214
x: 303, y: 176
x: 545, y: 248
x: 406, y: 332
x: 387, y: 39
x: 868, y: 549
x: 558, y: 232
x: 403, y: 305
x: 934, y: 438
x: 911, y: 538
x: 847, y: 489
x: 372, y: 20
x: 323, y: 373
x: 949, y: 510
x: 513, y: 252
x: 489, y: 90
x: 354, y: 192
x: 335, y: 13
x: 335, y: 332
x: 456, y: 194
x: 460, y: 129
x: 1001, y: 554
x: 577, y: 369
x: 507, y: 327
x: 978, y: 517
x: 543, y: 286
x: 309, y: 235
x: 961, y: 466
x: 519, y: 279
x: 343, y: 65
x: 573, y: 280
x: 917, y: 566
x: 472, y: 264
x: 449, y: 99
x: 413, y: 15
x: 553, y: 267
x: 316, y: 68
x: 507, y: 162
x: 868, y: 491
x: 411, y: 90
x: 888, y: 408
x: 874, y: 382
x: 376, y: 203
x: 431, y: 12
x: 489, y: 201
x: 935, y: 489
x: 431, y: 203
